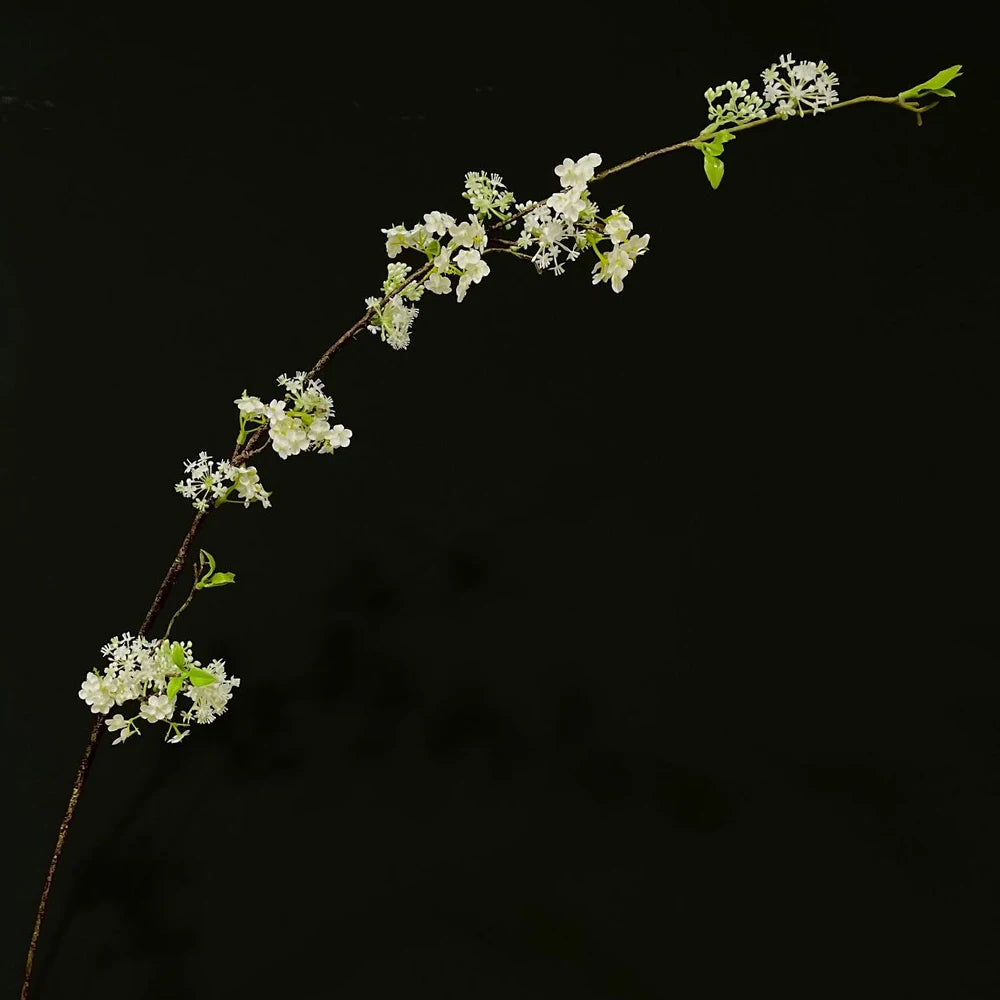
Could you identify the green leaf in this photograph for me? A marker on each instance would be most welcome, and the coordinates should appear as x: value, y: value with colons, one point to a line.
x: 712, y: 148
x: 174, y: 686
x: 217, y: 580
x: 207, y: 557
x: 714, y: 169
x: 177, y: 654
x: 199, y: 677
x: 935, y: 84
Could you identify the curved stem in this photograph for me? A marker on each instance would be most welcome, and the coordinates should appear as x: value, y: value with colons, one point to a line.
x: 252, y: 446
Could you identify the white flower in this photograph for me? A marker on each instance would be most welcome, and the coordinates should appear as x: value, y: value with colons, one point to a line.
x: 181, y: 734
x: 571, y: 203
x: 339, y: 436
x: 124, y: 735
x: 116, y: 722
x: 636, y: 246
x: 97, y: 693
x: 474, y: 270
x: 468, y: 234
x: 438, y: 283
x: 618, y: 226
x: 614, y: 267
x: 157, y: 708
x: 438, y: 223
x: 396, y: 239
x: 249, y: 405
x: 577, y: 173
x: 288, y: 436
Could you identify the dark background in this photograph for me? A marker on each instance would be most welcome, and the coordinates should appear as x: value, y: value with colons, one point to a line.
x: 640, y: 646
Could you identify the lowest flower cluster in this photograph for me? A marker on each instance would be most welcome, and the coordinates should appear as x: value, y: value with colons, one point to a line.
x: 559, y: 229
x: 155, y: 673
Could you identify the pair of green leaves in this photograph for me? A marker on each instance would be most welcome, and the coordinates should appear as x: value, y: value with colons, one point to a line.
x: 208, y: 577
x: 712, y: 150
x: 935, y: 85
x: 197, y: 676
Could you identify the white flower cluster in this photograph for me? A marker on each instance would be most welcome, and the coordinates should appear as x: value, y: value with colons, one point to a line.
x: 299, y: 422
x: 154, y: 673
x: 568, y: 222
x: 208, y: 480
x: 792, y: 88
x: 558, y: 229
x: 453, y: 248
x: 806, y: 86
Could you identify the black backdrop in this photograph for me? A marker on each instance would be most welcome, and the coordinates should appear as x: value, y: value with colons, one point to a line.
x: 639, y: 646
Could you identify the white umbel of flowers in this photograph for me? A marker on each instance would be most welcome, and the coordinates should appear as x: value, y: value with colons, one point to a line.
x: 155, y: 674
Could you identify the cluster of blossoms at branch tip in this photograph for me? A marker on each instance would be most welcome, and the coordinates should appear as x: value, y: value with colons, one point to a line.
x: 559, y: 228
x: 211, y: 481
x: 299, y: 422
x: 791, y: 87
x: 154, y: 673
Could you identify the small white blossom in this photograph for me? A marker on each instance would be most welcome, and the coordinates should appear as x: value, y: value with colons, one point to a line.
x: 474, y: 269
x: 157, y: 708
x: 97, y: 693
x: 571, y: 203
x: 469, y: 234
x: 338, y: 436
x: 438, y: 283
x: 396, y: 239
x: 249, y: 405
x: 618, y: 226
x: 578, y: 173
x: 614, y: 267
x: 438, y: 223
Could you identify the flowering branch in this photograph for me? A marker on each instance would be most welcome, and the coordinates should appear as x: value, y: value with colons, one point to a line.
x: 554, y: 231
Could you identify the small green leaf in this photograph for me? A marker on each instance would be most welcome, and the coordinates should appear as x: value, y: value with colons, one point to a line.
x: 207, y: 557
x: 174, y: 686
x: 935, y: 84
x: 712, y: 148
x: 714, y: 169
x: 217, y: 580
x: 177, y: 654
x: 199, y: 677
x: 945, y: 92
